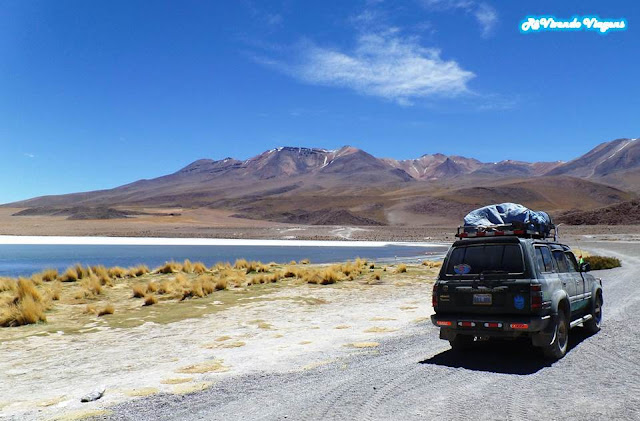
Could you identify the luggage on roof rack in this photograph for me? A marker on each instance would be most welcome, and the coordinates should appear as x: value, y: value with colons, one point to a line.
x: 506, y: 219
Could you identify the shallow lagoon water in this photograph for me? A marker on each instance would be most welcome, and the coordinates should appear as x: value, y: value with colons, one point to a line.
x: 25, y: 259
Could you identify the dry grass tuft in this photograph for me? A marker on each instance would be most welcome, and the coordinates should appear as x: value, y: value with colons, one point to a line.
x: 327, y: 276
x: 108, y: 309
x: 402, y: 268
x: 152, y: 286
x: 150, y: 300
x: 199, y: 268
x: 250, y: 267
x: 376, y: 276
x: 49, y: 275
x: 165, y: 287
x: 7, y: 284
x: 27, y: 307
x: 431, y: 264
x: 103, y: 275
x: 290, y: 272
x: 70, y: 275
x: 137, y: 271
x: 118, y: 272
x: 221, y: 284
x: 200, y: 287
x: 187, y: 266
x: 91, y: 286
x: 139, y: 291
x: 54, y: 291
x: 305, y: 261
x: 169, y: 267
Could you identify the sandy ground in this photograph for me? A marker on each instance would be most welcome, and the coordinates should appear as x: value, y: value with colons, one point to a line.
x: 413, y: 375
x: 209, y: 223
x: 297, y: 327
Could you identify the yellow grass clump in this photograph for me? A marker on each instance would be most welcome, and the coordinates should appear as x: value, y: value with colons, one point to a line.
x: 199, y: 268
x: 139, y: 270
x: 150, y: 300
x: 71, y: 275
x: 103, y: 275
x: 139, y: 291
x: 7, y: 284
x: 221, y: 266
x: 251, y: 266
x: 402, y: 268
x: 221, y: 284
x: 49, y: 275
x: 117, y: 272
x: 200, y: 287
x: 169, y: 267
x: 91, y: 286
x: 187, y: 266
x: 54, y: 291
x: 290, y: 272
x: 431, y: 264
x: 305, y: 261
x: 108, y: 309
x: 327, y: 276
x: 27, y: 307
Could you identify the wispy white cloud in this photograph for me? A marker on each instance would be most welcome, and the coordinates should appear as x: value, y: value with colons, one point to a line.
x: 485, y: 14
x: 383, y: 64
x: 487, y: 17
x: 29, y: 155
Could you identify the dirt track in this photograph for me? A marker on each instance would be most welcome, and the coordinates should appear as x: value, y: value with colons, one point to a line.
x: 415, y: 376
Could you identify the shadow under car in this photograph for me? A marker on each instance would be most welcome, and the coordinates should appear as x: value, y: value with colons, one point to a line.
x: 503, y: 356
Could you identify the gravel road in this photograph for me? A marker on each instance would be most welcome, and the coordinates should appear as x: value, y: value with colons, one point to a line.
x: 415, y: 376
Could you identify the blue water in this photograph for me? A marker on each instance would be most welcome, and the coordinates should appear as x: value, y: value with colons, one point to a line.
x: 23, y: 260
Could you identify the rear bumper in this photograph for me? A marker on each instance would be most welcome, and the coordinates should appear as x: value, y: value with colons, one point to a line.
x: 483, y: 325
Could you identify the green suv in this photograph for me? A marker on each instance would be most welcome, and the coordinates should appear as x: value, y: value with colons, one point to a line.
x: 509, y: 286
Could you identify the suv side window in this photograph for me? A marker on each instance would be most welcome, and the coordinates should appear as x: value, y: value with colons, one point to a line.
x: 543, y: 258
x: 561, y: 261
x: 573, y: 263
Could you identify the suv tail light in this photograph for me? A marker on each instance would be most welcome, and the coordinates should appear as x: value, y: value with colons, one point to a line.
x: 434, y: 296
x: 536, y: 296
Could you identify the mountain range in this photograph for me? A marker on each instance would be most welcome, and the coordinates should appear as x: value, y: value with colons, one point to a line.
x: 349, y: 185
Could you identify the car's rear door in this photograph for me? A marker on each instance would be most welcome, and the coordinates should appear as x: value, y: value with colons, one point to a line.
x: 571, y: 281
x: 548, y: 270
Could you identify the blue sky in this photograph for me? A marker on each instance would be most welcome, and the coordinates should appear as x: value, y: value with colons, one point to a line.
x: 94, y: 94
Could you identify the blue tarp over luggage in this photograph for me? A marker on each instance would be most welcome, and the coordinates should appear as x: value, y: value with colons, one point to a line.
x: 508, y: 213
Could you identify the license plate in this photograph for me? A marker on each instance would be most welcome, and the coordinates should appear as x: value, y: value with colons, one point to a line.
x: 482, y: 299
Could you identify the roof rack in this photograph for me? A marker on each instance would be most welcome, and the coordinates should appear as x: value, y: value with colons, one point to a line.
x: 529, y: 230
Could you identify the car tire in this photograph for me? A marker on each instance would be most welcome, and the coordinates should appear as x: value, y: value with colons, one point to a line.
x: 461, y: 342
x: 593, y: 326
x: 558, y: 347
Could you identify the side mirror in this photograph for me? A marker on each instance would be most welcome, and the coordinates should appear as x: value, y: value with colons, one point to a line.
x: 585, y: 267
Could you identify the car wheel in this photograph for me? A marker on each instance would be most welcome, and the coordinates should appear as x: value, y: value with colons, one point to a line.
x: 558, y: 347
x: 593, y: 325
x: 461, y: 342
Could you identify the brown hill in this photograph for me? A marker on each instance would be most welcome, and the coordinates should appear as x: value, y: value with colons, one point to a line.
x: 626, y: 213
x: 351, y: 186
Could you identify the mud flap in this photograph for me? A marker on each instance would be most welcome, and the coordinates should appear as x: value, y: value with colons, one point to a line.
x: 546, y: 336
x: 447, y: 334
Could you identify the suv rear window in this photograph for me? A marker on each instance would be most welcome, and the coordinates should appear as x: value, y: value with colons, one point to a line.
x: 486, y: 258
